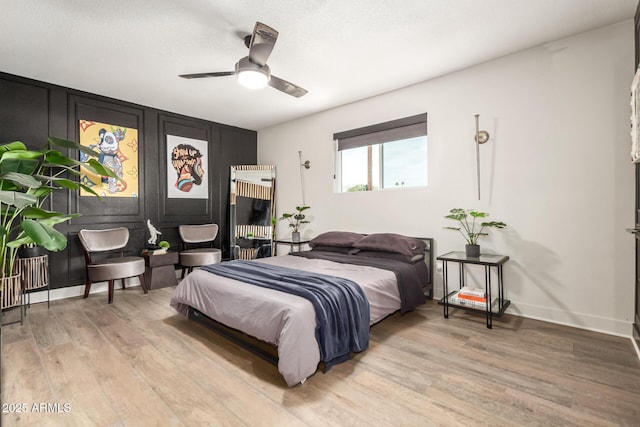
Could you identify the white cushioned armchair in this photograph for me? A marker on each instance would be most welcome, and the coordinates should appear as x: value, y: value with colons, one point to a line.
x: 111, y: 268
x: 197, y: 257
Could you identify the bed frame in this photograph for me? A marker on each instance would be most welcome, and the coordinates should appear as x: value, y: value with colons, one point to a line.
x: 429, y: 259
x: 265, y: 350
x: 269, y: 352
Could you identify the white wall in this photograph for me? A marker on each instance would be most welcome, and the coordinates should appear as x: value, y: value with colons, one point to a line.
x: 556, y: 170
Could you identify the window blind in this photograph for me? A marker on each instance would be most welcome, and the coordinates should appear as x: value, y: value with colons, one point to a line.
x: 394, y: 130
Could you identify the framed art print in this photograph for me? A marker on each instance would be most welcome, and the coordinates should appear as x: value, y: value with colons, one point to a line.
x: 118, y: 148
x: 186, y: 174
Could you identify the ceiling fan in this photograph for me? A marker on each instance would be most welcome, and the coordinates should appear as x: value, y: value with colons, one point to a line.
x: 252, y: 71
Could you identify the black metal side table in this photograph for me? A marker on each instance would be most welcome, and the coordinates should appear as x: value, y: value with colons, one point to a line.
x: 493, y: 307
x: 293, y: 246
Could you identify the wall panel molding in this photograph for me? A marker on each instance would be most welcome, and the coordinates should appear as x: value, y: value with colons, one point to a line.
x: 187, y: 211
x: 33, y: 110
x: 117, y: 209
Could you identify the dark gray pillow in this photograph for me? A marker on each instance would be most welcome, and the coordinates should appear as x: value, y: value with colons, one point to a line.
x: 391, y: 255
x: 343, y: 239
x: 333, y: 249
x: 390, y: 242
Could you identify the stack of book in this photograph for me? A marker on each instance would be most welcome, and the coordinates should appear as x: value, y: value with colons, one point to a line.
x: 158, y: 251
x: 470, y: 296
x: 473, y: 294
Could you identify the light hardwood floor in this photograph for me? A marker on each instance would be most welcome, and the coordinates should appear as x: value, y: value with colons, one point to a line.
x: 136, y: 362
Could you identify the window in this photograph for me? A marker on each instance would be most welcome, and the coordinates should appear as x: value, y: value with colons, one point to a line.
x: 387, y: 155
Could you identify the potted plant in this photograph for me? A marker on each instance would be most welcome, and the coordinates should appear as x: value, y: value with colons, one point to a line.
x: 27, y: 178
x: 295, y: 221
x: 274, y: 221
x: 31, y: 250
x: 471, y: 229
x: 163, y: 246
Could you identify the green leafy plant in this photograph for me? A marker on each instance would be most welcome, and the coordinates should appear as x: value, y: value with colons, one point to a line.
x: 164, y: 244
x: 296, y: 219
x: 274, y: 221
x: 471, y: 224
x: 27, y: 178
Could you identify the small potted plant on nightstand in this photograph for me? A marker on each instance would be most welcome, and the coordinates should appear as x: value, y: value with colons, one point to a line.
x: 164, y: 247
x: 471, y: 229
x: 295, y: 221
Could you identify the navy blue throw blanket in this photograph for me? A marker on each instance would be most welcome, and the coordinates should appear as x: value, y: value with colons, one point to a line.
x: 342, y: 309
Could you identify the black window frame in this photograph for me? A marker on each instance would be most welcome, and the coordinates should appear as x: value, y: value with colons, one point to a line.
x: 368, y: 136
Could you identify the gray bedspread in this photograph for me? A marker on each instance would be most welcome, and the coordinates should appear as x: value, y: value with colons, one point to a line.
x: 411, y: 277
x: 341, y: 307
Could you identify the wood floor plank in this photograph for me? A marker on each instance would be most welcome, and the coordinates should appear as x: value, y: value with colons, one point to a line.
x: 46, y: 330
x: 15, y: 332
x: 235, y: 395
x: 315, y: 407
x: 75, y: 384
x: 181, y: 392
x: 24, y: 382
x: 342, y: 384
x: 121, y: 385
x: 412, y: 401
x: 137, y: 362
x: 116, y: 331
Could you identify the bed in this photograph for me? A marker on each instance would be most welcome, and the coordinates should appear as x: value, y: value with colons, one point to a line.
x: 390, y: 272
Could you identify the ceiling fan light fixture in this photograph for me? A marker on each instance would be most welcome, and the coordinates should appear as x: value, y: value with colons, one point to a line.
x: 252, y: 71
x: 253, y: 79
x: 252, y: 76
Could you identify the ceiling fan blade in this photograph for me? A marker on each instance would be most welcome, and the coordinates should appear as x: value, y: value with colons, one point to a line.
x: 204, y: 75
x: 286, y: 87
x: 262, y: 42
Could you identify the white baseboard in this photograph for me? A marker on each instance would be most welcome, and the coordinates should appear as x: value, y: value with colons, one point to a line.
x: 76, y: 291
x: 586, y: 321
x: 577, y: 320
x: 635, y: 345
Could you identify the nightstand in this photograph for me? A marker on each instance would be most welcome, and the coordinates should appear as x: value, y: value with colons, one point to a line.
x: 493, y: 306
x: 293, y: 246
x: 160, y: 270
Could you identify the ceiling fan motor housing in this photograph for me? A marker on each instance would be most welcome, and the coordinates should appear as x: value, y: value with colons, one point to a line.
x: 245, y: 65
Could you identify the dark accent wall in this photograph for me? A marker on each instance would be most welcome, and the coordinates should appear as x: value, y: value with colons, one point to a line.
x: 30, y: 111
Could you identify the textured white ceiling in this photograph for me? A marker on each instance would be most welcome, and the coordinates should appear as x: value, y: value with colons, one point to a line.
x: 339, y: 50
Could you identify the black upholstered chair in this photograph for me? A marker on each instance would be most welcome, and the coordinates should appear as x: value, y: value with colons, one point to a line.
x: 111, y: 268
x: 193, y: 235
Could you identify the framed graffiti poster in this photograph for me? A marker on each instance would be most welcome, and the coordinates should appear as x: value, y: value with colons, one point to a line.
x: 118, y: 149
x: 186, y: 174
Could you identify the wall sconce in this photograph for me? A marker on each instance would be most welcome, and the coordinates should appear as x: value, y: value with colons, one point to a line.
x: 481, y: 137
x: 306, y: 164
